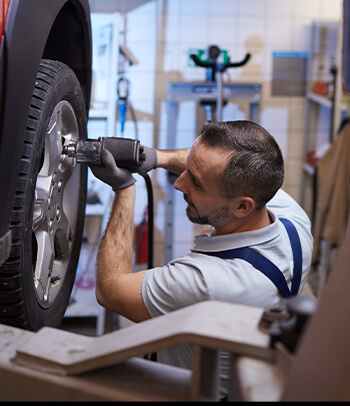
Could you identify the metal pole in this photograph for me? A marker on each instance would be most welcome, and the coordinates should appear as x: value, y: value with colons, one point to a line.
x: 220, y: 96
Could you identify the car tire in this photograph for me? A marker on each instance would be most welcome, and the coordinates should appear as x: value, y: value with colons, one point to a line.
x: 49, y: 208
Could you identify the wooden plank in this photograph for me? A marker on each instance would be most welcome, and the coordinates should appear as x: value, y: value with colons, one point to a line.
x: 229, y: 327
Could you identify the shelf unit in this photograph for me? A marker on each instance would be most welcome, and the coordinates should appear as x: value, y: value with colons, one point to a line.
x: 325, y: 108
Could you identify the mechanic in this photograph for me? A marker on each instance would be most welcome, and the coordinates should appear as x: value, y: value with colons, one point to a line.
x: 231, y: 180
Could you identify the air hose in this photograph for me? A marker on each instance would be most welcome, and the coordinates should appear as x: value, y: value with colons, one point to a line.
x: 150, y: 218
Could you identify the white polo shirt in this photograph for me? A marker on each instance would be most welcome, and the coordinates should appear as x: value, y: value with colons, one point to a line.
x: 197, y: 277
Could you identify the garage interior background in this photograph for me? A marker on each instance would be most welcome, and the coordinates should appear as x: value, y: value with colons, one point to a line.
x: 159, y: 35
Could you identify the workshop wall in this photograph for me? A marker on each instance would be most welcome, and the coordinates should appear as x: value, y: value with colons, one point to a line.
x: 161, y: 32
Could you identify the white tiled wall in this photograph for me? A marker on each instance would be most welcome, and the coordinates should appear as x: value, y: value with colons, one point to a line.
x: 160, y: 34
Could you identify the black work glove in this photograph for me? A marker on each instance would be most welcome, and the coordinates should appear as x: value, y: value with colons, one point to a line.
x: 151, y: 160
x: 118, y: 178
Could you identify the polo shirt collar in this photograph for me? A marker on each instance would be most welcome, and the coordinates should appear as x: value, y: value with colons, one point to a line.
x: 263, y: 235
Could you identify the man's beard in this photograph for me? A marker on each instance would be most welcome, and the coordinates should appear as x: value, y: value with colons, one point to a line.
x: 212, y: 218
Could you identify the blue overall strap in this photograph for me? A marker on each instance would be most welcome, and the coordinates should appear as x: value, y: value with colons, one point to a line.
x: 266, y: 266
x: 297, y: 254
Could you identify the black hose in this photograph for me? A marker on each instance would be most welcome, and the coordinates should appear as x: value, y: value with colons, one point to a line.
x: 153, y: 355
x: 150, y: 217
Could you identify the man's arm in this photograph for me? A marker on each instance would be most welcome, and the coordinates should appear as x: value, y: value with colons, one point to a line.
x: 117, y: 288
x: 173, y: 160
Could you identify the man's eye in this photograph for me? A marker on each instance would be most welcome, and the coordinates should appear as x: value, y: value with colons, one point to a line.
x: 196, y: 184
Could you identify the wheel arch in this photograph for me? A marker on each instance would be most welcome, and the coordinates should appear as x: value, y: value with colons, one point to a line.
x: 69, y: 41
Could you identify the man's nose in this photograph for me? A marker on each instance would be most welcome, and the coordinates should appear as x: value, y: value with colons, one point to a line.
x: 180, y: 183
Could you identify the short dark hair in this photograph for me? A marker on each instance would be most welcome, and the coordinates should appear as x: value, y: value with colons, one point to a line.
x: 255, y: 167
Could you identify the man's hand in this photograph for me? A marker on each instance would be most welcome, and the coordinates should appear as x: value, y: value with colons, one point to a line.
x: 151, y: 161
x: 118, y: 178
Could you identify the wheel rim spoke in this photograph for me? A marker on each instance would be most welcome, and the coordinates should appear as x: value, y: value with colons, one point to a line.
x: 53, y: 144
x: 44, y: 264
x: 40, y: 212
x: 63, y: 237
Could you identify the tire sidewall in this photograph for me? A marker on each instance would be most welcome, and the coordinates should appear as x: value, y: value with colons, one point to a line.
x: 66, y: 88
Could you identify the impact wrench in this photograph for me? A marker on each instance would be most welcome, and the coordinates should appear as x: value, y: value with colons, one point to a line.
x: 127, y: 153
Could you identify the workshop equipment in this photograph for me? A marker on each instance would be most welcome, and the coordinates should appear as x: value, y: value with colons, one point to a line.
x: 123, y: 94
x: 215, y: 68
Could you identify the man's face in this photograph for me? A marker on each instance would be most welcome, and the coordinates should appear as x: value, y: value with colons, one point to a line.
x: 200, y: 185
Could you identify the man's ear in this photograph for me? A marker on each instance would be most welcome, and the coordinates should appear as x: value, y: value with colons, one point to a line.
x: 244, y: 206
